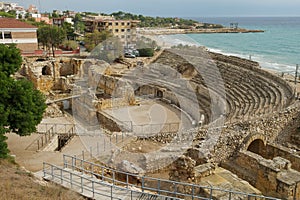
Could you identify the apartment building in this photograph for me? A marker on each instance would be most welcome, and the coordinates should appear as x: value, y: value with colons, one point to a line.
x: 32, y: 9
x: 59, y: 21
x: 13, y: 31
x: 124, y: 29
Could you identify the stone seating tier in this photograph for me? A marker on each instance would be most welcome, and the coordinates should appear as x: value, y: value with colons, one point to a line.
x: 249, y: 90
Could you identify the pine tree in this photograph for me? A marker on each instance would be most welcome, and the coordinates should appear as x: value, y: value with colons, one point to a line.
x: 21, y: 105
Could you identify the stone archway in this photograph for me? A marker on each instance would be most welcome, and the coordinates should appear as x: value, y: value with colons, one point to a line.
x: 256, y: 144
x: 159, y: 94
x: 46, y: 71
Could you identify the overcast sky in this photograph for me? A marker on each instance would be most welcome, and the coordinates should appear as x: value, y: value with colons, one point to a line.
x: 172, y: 8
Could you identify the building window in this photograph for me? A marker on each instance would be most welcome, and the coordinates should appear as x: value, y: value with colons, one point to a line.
x: 7, y: 35
x: 128, y: 30
x: 116, y: 23
x: 123, y: 30
x: 117, y: 30
x: 123, y: 23
x: 110, y: 23
x: 128, y: 23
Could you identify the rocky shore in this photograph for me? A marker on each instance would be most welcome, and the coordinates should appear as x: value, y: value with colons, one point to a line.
x: 169, y: 31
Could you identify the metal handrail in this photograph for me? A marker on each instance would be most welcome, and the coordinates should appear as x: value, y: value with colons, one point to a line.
x: 158, y: 189
x: 51, y: 130
x: 48, y: 169
x: 48, y: 135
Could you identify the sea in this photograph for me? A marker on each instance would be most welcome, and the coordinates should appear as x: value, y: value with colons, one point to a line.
x: 278, y: 48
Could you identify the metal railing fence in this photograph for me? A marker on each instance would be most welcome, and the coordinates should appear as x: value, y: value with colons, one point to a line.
x: 155, y: 185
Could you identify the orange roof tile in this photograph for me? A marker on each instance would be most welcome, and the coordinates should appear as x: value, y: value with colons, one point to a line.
x: 14, y: 23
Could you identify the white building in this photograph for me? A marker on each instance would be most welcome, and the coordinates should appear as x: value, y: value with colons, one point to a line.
x: 13, y: 31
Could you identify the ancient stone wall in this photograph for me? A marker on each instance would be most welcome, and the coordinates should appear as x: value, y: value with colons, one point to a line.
x: 103, y: 104
x: 234, y: 136
x: 176, y: 98
x: 50, y: 75
x: 84, y: 110
x: 146, y: 90
x: 116, y: 93
x: 275, y: 150
x: 273, y: 177
x: 108, y: 122
x: 182, y: 170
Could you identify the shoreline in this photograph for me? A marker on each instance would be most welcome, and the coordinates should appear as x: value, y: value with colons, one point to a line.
x: 169, y: 31
x: 168, y: 41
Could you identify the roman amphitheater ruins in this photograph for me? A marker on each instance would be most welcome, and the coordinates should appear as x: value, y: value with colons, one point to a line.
x: 184, y: 124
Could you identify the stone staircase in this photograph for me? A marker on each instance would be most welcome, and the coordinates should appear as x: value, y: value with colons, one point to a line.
x: 53, y: 144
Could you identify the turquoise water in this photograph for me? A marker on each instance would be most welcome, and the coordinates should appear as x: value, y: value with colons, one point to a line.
x: 277, y: 48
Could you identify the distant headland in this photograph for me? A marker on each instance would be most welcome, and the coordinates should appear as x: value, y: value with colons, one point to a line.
x: 169, y: 31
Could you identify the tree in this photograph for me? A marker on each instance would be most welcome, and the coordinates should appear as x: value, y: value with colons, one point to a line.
x: 51, y: 36
x: 70, y: 44
x: 146, y: 52
x: 69, y: 30
x: 27, y: 15
x: 21, y: 106
x: 93, y: 39
x: 8, y: 15
x: 54, y: 14
x: 78, y: 23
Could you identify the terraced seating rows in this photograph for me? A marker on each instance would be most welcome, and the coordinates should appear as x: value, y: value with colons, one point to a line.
x: 249, y: 90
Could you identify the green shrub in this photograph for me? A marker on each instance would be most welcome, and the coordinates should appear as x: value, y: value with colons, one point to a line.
x: 70, y: 44
x: 146, y: 52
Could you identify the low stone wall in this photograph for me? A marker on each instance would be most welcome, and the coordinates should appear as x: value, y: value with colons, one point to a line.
x: 161, y: 137
x: 275, y: 150
x: 107, y: 122
x: 273, y: 177
x: 103, y: 104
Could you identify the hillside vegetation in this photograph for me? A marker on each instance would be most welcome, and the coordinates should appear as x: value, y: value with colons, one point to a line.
x: 18, y: 184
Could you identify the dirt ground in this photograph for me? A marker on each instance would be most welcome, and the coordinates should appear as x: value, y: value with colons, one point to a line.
x: 33, y: 160
x: 17, y: 183
x: 150, y: 112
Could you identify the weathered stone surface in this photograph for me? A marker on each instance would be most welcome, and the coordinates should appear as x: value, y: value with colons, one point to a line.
x: 129, y: 167
x: 183, y: 169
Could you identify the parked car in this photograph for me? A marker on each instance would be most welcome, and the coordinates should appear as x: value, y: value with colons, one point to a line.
x: 136, y: 53
x: 129, y: 55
